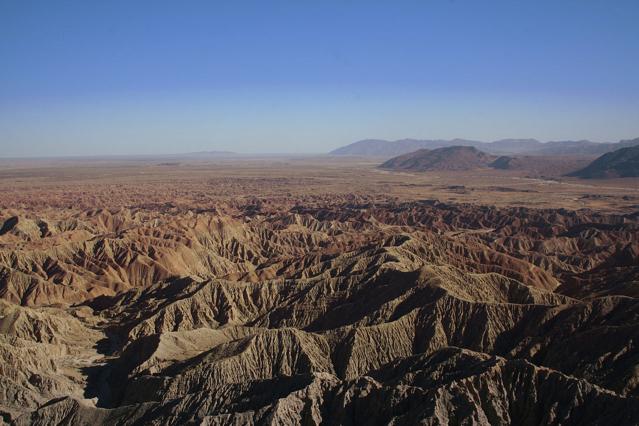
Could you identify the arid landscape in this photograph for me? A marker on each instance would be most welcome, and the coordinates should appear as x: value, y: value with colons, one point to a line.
x: 346, y: 213
x: 308, y: 290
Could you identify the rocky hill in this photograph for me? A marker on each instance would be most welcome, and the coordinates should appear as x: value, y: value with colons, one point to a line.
x: 384, y: 148
x: 450, y: 158
x: 623, y: 162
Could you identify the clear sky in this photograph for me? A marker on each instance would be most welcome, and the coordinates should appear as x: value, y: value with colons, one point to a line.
x: 125, y: 77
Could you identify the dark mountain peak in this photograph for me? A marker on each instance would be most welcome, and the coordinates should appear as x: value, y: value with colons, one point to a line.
x: 623, y: 162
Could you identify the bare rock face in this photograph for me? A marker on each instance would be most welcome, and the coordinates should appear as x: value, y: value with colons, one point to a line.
x: 331, y: 312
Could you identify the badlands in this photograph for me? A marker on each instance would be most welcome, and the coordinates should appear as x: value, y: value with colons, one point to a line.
x: 291, y: 290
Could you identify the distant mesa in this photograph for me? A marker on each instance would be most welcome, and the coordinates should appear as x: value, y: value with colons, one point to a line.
x: 512, y: 146
x: 387, y: 149
x: 207, y: 154
x: 455, y: 158
x: 384, y: 148
x: 622, y: 163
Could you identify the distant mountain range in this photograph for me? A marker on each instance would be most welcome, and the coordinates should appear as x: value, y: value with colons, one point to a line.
x: 385, y: 148
x: 623, y: 162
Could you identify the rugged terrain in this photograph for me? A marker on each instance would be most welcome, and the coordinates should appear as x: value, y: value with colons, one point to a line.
x: 387, y: 149
x: 623, y: 162
x: 467, y: 158
x: 307, y: 292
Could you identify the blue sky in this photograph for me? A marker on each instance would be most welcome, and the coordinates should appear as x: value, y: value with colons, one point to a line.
x: 123, y: 77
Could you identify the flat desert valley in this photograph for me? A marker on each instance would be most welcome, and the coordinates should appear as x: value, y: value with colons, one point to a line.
x: 308, y: 290
x: 115, y: 183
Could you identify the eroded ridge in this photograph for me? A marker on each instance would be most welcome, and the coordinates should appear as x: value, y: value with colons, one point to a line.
x: 319, y: 310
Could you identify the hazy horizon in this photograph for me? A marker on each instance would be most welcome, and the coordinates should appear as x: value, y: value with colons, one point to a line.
x: 116, y: 78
